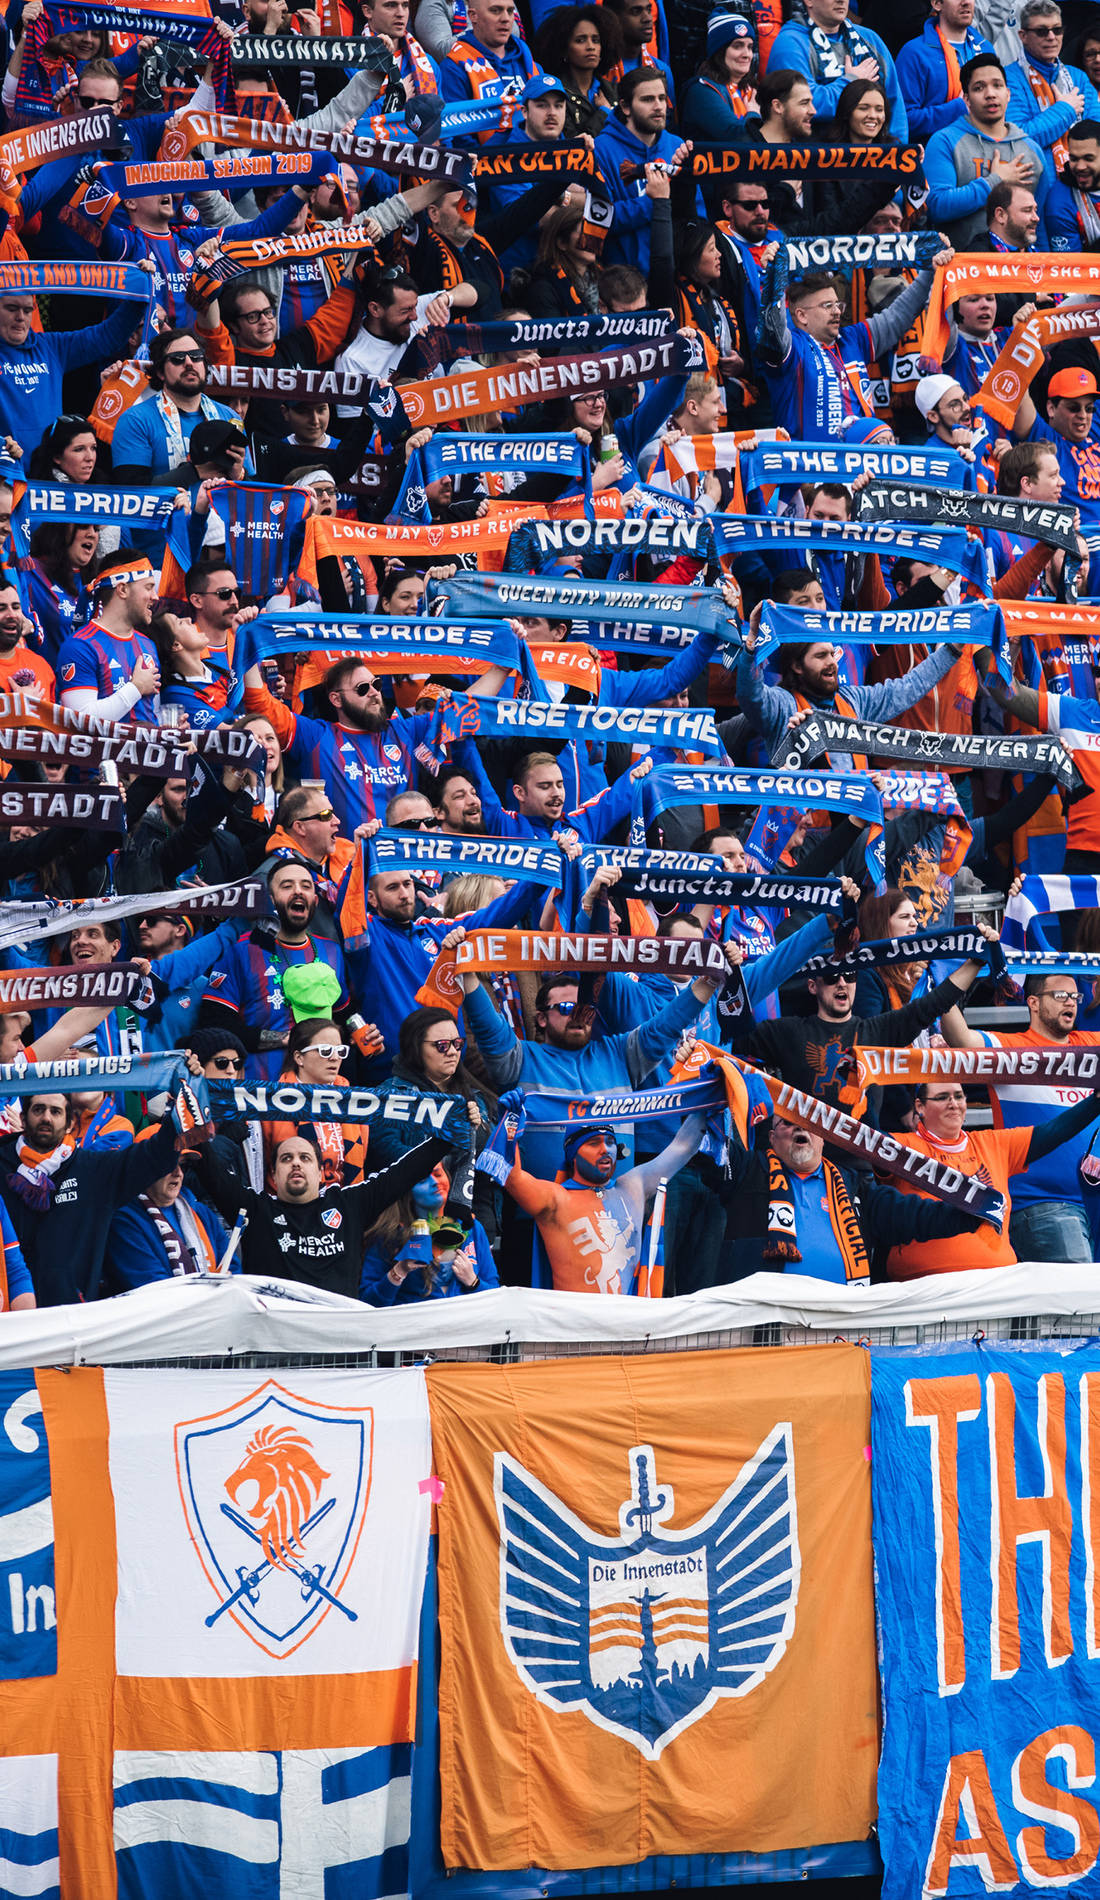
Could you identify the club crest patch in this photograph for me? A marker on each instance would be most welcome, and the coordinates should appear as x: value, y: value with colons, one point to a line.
x: 645, y: 1631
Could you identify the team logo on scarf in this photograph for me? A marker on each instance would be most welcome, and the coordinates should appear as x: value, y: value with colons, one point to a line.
x: 654, y: 1621
x: 274, y: 1491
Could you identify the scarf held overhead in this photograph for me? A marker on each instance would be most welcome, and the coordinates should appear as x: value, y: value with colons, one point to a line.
x: 1011, y: 514
x: 972, y: 274
x: 977, y: 624
x: 65, y: 986
x: 394, y: 157
x: 454, y: 856
x: 43, y: 806
x: 33, y: 145
x: 824, y: 732
x: 688, y: 728
x: 790, y: 464
x: 878, y: 1067
x: 441, y: 344
x: 640, y: 603
x: 513, y: 385
x: 946, y: 547
x: 697, y: 875
x: 850, y: 793
x: 946, y: 944
x: 22, y: 923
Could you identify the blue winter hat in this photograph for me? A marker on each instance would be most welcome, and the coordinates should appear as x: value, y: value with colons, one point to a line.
x: 584, y: 1131
x: 724, y: 27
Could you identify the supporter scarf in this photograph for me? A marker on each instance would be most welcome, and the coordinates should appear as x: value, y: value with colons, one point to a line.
x: 66, y: 985
x: 1038, y: 520
x: 496, y: 164
x: 1042, y: 897
x: 548, y: 952
x: 972, y: 274
x: 921, y: 791
x: 37, y: 729
x: 327, y: 536
x: 888, y: 250
x: 429, y: 646
x: 689, y: 728
x: 44, y: 806
x: 790, y: 464
x: 513, y: 385
x: 1014, y: 370
x: 26, y: 923
x: 556, y: 1108
x: 33, y: 145
x: 294, y: 49
x: 302, y: 1101
x: 524, y: 859
x: 638, y: 603
x: 192, y: 1254
x: 665, y: 535
x: 99, y: 507
x: 188, y: 22
x: 978, y: 624
x: 497, y: 110
x: 802, y: 162
x: 124, y: 281
x: 947, y: 547
x: 824, y: 732
x: 393, y: 157
x: 239, y: 255
x: 886, y: 1154
x: 882, y: 1067
x: 782, y: 1239
x: 545, y: 334
x: 488, y: 454
x: 921, y: 948
x: 850, y: 793
x: 77, y: 1075
x: 699, y: 875
x: 202, y: 174
x: 286, y: 382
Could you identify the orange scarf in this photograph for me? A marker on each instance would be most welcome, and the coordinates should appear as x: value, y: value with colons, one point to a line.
x: 970, y: 274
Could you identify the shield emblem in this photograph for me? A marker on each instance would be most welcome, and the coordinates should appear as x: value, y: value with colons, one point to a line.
x: 645, y: 1631
x: 275, y: 1491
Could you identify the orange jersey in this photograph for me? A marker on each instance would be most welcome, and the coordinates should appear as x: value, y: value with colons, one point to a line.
x: 991, y: 1154
x: 22, y: 671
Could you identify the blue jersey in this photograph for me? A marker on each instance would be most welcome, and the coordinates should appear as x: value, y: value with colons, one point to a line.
x: 249, y: 981
x: 306, y: 286
x: 98, y: 661
x: 816, y: 390
x: 361, y: 771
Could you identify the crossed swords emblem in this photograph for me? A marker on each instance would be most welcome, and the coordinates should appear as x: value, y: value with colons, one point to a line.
x: 310, y: 1580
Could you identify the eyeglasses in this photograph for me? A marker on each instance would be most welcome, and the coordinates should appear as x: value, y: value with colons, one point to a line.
x: 452, y: 1045
x: 1045, y: 32
x: 185, y: 356
x: 221, y: 593
x: 226, y: 1062
x: 1063, y: 996
x: 1083, y: 408
x: 337, y: 1049
x: 89, y: 105
x: 946, y: 1101
x: 254, y: 316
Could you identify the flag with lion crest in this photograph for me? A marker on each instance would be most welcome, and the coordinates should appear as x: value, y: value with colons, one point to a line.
x: 238, y: 1561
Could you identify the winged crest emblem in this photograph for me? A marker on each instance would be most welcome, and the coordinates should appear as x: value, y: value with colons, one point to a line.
x: 643, y: 1632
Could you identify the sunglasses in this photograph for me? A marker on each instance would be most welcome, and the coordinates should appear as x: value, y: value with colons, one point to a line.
x: 221, y: 593
x: 185, y: 356
x: 337, y: 1049
x: 226, y: 1062
x: 563, y: 1009
x: 364, y: 687
x: 452, y: 1043
x: 311, y: 815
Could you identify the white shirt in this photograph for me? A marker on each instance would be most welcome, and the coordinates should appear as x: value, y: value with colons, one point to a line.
x: 373, y: 356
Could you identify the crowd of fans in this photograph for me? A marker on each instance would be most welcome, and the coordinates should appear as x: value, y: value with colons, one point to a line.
x: 331, y: 987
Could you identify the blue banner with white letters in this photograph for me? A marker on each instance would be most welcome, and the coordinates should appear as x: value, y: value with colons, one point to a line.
x: 986, y: 1498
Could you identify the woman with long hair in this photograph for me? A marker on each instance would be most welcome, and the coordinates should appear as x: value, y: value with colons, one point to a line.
x: 862, y: 114
x: 59, y: 571
x: 252, y: 814
x: 579, y: 46
x: 565, y: 276
x: 893, y: 914
x: 315, y: 1055
x: 429, y: 1061
x: 722, y: 94
x: 68, y: 452
x: 417, y: 1250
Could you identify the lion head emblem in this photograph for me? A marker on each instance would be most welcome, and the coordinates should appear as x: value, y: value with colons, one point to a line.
x: 277, y: 1485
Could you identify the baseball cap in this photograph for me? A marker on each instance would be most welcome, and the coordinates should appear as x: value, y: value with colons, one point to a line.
x: 210, y: 441
x: 539, y: 86
x: 1072, y: 382
x: 931, y: 390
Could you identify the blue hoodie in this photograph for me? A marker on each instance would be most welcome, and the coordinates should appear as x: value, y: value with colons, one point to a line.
x: 794, y: 51
x: 616, y: 146
x: 31, y: 373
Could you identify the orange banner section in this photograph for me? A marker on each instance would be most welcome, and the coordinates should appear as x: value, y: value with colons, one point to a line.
x: 655, y: 1606
x: 974, y: 274
x: 327, y: 535
x: 1011, y: 376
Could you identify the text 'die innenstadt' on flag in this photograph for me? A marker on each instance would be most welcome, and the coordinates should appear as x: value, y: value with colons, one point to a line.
x: 655, y: 1606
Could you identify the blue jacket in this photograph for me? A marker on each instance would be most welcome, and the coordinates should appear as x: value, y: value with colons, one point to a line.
x: 922, y: 76
x: 616, y: 146
x: 377, y: 1289
x: 31, y: 373
x: 1046, y: 124
x: 770, y: 708
x: 135, y: 1252
x: 706, y: 113
x: 793, y: 50
x: 515, y: 62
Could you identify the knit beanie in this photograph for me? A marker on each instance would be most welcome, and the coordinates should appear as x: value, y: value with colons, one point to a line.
x: 726, y: 25
x: 205, y: 1043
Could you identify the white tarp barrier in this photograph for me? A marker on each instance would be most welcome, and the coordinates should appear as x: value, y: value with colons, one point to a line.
x: 192, y: 1317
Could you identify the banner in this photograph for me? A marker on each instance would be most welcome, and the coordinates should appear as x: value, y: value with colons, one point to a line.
x: 979, y: 623
x: 700, y: 1683
x: 791, y: 464
x: 1021, y: 356
x: 304, y: 1102
x: 94, y: 809
x: 983, y: 1468
x: 37, y: 729
x: 454, y: 856
x: 640, y: 603
x: 299, y: 49
x: 848, y: 792
x: 513, y: 385
x: 823, y: 732
x: 914, y: 948
x: 33, y: 145
x: 63, y: 986
x: 691, y: 874
x: 1037, y: 520
x: 525, y: 163
x: 975, y: 274
x: 687, y: 728
x: 394, y: 157
x: 22, y: 923
x: 436, y: 646
x: 946, y: 547
x: 76, y: 1075
x: 286, y: 382
x: 1053, y: 1063
x: 641, y: 534
x: 1043, y: 896
x: 238, y: 255
x: 355, y: 540
x: 441, y: 344
x: 804, y: 162
x: 69, y: 501
x: 870, y: 1148
x: 544, y: 454
x: 148, y: 179
x: 886, y: 250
